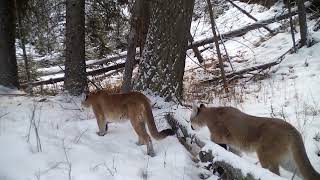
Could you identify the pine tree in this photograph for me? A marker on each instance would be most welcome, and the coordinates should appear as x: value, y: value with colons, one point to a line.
x: 8, y: 62
x: 163, y: 62
x: 75, y: 73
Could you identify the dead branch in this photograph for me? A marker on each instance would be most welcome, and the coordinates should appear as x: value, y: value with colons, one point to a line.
x: 247, y: 70
x: 78, y: 137
x: 68, y: 163
x: 216, y: 42
x: 225, y: 49
x: 13, y: 94
x: 66, y: 108
x: 249, y: 15
x: 196, y: 51
x: 35, y: 126
x: 3, y: 115
x: 243, y: 30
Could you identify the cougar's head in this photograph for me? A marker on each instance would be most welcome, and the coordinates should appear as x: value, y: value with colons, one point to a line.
x: 85, y: 100
x: 196, y: 119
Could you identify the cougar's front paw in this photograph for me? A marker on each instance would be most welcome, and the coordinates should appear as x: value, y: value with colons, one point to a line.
x: 101, y: 133
x: 151, y: 153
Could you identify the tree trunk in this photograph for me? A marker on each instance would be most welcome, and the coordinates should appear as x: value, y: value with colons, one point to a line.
x: 291, y: 26
x: 8, y: 62
x: 23, y: 45
x: 75, y: 73
x: 303, y: 23
x: 163, y: 58
x: 138, y: 30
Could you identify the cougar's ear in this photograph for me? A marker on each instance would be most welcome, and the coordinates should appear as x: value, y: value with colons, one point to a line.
x: 86, y: 91
x: 202, y: 106
x: 195, y: 110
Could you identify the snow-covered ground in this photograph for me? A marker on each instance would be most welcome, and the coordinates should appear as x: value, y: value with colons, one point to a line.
x: 64, y: 128
x: 70, y: 146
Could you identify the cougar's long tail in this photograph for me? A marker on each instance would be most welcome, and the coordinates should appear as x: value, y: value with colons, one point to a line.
x: 301, y: 159
x: 151, y: 124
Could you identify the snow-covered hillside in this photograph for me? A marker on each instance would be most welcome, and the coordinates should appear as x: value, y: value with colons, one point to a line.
x: 70, y: 148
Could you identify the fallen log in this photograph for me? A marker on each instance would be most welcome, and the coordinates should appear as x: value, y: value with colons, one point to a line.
x: 90, y: 63
x: 90, y: 73
x: 243, y: 30
x: 254, y: 68
x: 241, y: 72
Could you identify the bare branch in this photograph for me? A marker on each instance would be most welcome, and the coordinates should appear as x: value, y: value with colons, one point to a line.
x: 4, y: 115
x: 67, y: 160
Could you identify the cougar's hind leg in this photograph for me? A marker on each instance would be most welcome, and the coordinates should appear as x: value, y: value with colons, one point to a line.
x: 144, y: 138
x: 107, y: 127
x: 267, y: 160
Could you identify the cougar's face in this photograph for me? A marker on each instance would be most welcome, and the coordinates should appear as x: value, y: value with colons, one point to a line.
x: 195, y: 119
x: 196, y: 123
x: 84, y: 102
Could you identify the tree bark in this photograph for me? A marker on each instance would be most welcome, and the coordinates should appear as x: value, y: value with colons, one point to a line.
x: 75, y: 80
x: 8, y: 62
x: 138, y: 25
x: 162, y: 66
x: 303, y: 23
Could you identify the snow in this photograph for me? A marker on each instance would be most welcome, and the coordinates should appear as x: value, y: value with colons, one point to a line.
x: 114, y: 156
x: 8, y: 91
x: 67, y: 132
x: 236, y: 161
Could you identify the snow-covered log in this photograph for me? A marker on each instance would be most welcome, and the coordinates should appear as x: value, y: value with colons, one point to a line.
x: 90, y: 73
x: 90, y: 63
